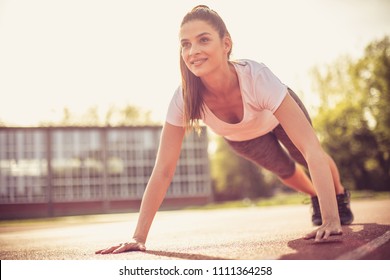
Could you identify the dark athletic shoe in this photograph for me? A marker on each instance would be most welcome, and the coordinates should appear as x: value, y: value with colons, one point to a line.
x: 344, y: 205
x: 316, y: 215
x: 344, y: 208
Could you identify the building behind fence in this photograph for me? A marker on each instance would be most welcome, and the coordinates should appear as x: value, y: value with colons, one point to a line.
x: 74, y: 170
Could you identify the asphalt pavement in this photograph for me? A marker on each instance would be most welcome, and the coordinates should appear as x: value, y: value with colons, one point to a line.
x: 252, y: 233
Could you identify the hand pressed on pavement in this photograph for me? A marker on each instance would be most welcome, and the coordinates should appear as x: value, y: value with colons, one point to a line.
x: 123, y: 247
x: 323, y: 232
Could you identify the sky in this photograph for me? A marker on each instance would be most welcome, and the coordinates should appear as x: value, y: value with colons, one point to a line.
x: 80, y: 54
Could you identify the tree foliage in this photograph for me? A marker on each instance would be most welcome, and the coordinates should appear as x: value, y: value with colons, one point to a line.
x: 353, y: 120
x: 127, y: 115
x: 235, y: 177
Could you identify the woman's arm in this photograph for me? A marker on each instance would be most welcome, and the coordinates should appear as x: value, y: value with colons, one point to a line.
x: 162, y: 175
x: 303, y: 136
x: 163, y: 171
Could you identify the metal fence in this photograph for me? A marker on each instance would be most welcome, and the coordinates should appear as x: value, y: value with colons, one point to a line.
x: 75, y: 164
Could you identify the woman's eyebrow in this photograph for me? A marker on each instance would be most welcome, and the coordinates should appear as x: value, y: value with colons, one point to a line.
x: 197, y: 36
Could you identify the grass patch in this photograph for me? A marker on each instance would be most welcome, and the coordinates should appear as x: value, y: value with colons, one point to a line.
x: 280, y: 199
x: 285, y: 199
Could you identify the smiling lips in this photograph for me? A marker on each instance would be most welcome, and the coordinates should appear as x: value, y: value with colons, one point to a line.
x: 197, y: 62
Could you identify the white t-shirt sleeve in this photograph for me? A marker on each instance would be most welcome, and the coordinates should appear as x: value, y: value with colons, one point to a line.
x: 175, y: 115
x: 269, y: 90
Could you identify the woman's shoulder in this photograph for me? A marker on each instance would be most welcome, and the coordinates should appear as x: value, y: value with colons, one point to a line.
x: 249, y: 63
x: 177, y: 95
x: 175, y: 109
x: 250, y: 68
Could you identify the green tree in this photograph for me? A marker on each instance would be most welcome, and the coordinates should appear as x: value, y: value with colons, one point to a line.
x: 235, y: 177
x: 127, y: 115
x: 353, y: 120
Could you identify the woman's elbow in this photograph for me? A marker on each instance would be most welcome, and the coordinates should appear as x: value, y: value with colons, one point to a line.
x: 164, y: 173
x: 315, y: 154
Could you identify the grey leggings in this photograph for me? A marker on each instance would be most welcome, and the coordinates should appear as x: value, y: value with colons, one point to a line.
x: 267, y: 152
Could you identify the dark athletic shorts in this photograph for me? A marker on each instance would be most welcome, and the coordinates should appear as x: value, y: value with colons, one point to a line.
x: 267, y: 152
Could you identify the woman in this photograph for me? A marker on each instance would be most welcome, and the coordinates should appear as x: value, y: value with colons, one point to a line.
x: 247, y: 105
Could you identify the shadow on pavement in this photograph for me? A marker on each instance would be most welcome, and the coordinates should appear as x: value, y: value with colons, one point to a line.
x: 354, y: 236
x: 185, y: 256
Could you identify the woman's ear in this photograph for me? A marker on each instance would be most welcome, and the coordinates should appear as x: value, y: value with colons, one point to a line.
x: 227, y: 41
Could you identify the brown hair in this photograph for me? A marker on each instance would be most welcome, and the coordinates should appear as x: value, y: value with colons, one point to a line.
x: 192, y: 86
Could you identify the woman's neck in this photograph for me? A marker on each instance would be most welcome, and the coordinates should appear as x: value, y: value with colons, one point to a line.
x: 221, y: 83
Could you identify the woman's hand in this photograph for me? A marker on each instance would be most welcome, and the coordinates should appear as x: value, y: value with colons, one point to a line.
x: 123, y: 247
x: 324, y: 231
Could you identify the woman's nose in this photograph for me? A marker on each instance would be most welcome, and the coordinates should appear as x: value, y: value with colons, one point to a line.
x: 194, y: 49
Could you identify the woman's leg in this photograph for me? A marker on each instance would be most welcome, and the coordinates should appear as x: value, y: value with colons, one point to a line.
x: 296, y: 154
x: 342, y: 196
x: 267, y: 152
x: 300, y: 177
x: 300, y: 181
x: 336, y: 176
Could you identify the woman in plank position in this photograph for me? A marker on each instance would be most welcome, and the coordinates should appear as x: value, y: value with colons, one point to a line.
x: 244, y: 102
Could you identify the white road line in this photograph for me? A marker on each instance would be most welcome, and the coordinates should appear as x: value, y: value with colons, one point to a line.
x: 364, y: 250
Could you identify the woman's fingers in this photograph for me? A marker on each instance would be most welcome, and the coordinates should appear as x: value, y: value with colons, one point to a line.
x: 126, y: 247
x: 107, y: 250
x: 327, y: 233
x: 323, y: 233
x: 123, y: 247
x: 311, y: 235
x: 320, y: 234
x: 142, y: 247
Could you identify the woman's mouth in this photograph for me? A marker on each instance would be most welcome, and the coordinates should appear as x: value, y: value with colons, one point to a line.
x: 198, y: 62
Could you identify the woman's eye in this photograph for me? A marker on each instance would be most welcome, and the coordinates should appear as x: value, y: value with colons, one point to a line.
x: 185, y: 45
x: 204, y: 39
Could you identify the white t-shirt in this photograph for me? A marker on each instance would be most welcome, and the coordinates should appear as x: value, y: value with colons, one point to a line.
x: 262, y: 93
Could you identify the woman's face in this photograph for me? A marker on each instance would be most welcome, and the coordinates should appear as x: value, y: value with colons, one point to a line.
x: 202, y: 49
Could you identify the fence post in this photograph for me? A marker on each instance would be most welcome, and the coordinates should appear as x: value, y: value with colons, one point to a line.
x: 49, y: 182
x: 106, y: 201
